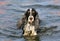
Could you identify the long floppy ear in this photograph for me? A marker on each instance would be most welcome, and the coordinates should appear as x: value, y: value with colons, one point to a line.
x: 27, y: 13
x: 35, y: 12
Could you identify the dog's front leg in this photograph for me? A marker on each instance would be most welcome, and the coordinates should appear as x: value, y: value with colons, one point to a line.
x: 33, y: 32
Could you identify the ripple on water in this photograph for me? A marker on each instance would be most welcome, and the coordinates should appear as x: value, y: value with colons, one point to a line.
x: 15, y: 9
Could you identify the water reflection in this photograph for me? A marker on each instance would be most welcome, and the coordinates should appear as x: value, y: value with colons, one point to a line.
x: 33, y: 38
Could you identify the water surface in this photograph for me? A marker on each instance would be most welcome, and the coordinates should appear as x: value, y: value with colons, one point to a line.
x: 12, y: 10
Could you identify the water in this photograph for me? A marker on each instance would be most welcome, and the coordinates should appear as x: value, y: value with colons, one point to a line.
x: 12, y: 10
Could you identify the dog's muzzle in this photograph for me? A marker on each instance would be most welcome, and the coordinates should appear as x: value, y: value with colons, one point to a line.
x: 30, y: 19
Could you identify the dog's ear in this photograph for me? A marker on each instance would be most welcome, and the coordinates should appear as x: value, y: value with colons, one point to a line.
x: 34, y: 12
x: 27, y: 13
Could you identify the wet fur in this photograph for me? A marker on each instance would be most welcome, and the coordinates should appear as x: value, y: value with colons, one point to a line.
x: 29, y: 30
x: 21, y: 23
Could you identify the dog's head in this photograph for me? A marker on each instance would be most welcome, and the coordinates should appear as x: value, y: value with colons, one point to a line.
x: 31, y: 14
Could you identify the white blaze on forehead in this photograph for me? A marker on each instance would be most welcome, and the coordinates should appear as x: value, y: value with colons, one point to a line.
x: 30, y: 11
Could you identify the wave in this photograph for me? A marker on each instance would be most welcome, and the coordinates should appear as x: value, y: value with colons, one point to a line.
x: 45, y: 6
x: 53, y: 6
x: 16, y: 10
x: 10, y: 33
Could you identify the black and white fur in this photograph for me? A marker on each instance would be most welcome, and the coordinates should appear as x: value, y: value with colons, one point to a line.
x: 31, y: 19
x: 29, y: 29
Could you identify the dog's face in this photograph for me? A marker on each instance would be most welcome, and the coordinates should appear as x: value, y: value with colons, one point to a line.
x: 30, y: 19
x: 31, y: 14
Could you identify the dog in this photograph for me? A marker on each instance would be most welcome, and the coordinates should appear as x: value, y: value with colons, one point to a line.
x: 29, y: 28
x: 30, y: 18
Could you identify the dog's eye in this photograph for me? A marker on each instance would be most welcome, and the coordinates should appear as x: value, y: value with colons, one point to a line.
x: 33, y: 11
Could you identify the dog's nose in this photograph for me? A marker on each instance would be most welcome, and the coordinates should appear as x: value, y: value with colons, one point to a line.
x: 31, y: 18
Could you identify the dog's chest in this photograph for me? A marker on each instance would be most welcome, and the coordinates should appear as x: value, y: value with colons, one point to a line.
x: 29, y: 27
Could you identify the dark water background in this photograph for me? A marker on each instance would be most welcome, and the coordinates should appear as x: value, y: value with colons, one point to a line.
x: 12, y: 10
